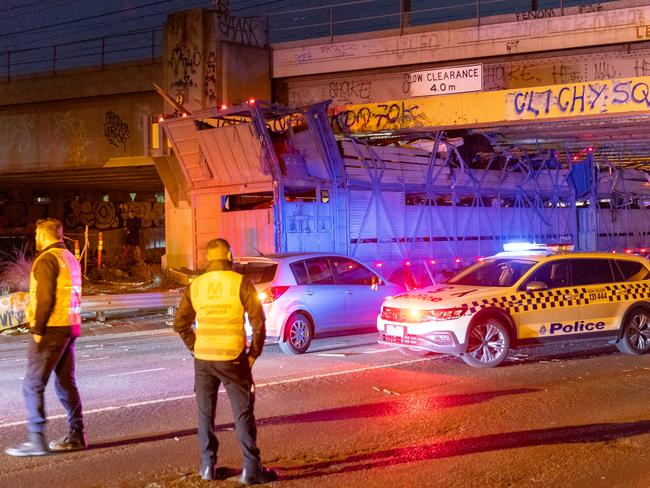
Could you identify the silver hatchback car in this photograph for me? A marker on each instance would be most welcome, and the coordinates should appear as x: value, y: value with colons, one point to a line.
x: 309, y: 294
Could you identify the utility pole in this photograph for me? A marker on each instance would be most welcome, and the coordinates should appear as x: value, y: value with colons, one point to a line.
x: 405, y: 14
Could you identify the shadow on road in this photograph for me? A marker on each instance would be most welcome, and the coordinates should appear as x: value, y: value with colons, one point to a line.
x: 533, y: 356
x: 495, y: 442
x: 393, y: 407
x: 370, y: 410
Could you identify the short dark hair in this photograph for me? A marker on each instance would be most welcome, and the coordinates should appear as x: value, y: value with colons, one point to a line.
x: 218, y: 249
x: 52, y: 227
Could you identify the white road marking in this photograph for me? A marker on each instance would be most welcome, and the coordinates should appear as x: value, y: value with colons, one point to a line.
x: 332, y: 354
x: 138, y: 372
x: 377, y: 351
x: 331, y: 346
x: 259, y: 385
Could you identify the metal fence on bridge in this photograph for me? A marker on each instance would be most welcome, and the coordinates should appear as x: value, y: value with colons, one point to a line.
x: 288, y: 20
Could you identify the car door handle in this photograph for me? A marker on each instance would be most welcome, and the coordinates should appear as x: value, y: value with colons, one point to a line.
x: 309, y: 292
x: 572, y: 297
x: 348, y: 292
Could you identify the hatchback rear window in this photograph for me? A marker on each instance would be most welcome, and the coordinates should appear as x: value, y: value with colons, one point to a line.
x: 632, y: 270
x: 255, y: 271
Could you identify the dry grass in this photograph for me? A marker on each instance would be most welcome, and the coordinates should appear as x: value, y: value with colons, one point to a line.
x: 15, y: 267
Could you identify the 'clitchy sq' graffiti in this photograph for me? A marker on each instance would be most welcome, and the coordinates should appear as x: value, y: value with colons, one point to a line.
x: 612, y: 96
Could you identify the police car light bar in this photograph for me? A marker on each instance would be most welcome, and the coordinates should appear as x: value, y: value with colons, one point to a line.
x: 560, y: 247
x: 528, y: 246
x: 523, y: 246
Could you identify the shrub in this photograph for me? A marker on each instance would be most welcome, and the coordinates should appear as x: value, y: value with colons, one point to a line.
x: 15, y: 267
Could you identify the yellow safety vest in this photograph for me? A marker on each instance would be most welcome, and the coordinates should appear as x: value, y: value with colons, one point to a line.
x: 67, y: 304
x: 220, y: 334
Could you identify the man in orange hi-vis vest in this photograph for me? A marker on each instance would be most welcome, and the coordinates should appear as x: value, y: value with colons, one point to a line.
x: 54, y: 314
x: 217, y: 301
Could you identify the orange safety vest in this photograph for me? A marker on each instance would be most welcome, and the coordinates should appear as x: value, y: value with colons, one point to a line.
x: 220, y: 334
x: 67, y: 304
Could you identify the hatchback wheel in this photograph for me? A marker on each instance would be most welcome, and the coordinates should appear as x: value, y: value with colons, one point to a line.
x: 488, y: 343
x: 298, y: 334
x: 636, y: 333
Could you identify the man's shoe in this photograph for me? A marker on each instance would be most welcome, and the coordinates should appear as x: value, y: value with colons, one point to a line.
x: 258, y: 476
x: 72, y: 441
x: 34, y: 446
x: 208, y: 472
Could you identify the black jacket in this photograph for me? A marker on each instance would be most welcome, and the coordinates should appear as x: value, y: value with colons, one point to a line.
x: 186, y: 314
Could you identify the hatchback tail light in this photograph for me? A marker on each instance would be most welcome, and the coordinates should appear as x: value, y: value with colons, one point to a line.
x: 272, y: 294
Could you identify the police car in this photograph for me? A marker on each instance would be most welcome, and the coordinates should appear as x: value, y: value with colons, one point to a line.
x: 523, y: 297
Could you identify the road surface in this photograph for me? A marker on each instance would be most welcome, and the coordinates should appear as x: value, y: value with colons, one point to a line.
x: 348, y: 413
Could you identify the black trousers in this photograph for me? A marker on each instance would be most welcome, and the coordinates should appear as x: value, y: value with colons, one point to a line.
x: 55, y: 353
x: 238, y: 382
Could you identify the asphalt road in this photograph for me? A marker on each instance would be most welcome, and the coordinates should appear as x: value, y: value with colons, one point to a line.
x: 348, y: 413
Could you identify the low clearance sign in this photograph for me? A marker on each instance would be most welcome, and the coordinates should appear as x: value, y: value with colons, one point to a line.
x: 459, y: 79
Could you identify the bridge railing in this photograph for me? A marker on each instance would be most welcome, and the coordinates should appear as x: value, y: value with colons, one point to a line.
x: 356, y: 16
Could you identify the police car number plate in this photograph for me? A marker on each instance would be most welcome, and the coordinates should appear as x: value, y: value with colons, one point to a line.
x: 395, y: 330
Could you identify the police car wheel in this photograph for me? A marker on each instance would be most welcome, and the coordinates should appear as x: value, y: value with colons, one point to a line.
x: 488, y: 343
x: 298, y: 334
x: 636, y: 335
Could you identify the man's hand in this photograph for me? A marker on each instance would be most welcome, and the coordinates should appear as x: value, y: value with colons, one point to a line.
x: 37, y: 338
x: 251, y: 361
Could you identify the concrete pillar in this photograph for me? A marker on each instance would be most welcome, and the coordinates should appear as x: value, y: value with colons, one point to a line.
x: 179, y: 239
x: 213, y: 59
x: 210, y: 59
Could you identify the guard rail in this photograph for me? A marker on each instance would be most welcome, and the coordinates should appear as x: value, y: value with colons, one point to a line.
x: 100, y: 304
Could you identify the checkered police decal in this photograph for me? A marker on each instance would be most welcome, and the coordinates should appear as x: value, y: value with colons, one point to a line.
x: 622, y: 292
x: 561, y: 297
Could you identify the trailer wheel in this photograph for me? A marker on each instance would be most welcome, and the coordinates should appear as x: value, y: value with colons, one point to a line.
x: 298, y: 334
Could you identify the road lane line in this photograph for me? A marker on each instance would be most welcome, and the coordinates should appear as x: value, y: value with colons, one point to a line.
x: 138, y: 372
x: 377, y: 351
x: 347, y: 371
x: 257, y: 386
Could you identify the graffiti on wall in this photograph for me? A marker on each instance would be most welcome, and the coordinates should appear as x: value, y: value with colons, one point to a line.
x: 16, y: 133
x: 13, y: 309
x: 210, y: 81
x: 380, y: 116
x: 362, y: 88
x: 65, y: 138
x: 116, y: 130
x: 111, y: 215
x: 19, y: 214
x: 580, y: 98
x: 184, y: 63
x: 242, y: 30
x: 185, y: 58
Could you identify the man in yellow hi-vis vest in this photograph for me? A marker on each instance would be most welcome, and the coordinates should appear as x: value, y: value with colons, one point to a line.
x: 54, y: 315
x: 217, y: 301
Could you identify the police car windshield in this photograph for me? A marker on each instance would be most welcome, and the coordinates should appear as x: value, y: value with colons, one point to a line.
x: 493, y: 272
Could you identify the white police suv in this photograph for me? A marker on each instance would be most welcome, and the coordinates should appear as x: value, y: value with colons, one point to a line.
x: 522, y: 298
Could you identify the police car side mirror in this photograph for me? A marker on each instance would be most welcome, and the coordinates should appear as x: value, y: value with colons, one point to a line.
x: 536, y: 286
